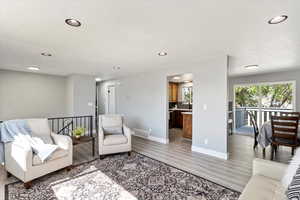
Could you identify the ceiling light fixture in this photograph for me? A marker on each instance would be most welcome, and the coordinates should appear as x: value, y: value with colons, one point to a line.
x: 98, y: 79
x: 162, y: 53
x: 251, y: 67
x: 187, y: 81
x: 73, y: 22
x: 46, y: 54
x: 116, y: 68
x: 176, y: 77
x: 33, y: 68
x: 278, y: 19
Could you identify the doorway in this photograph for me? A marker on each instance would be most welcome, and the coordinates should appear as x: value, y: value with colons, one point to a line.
x: 263, y: 100
x: 180, y: 108
x: 111, y: 99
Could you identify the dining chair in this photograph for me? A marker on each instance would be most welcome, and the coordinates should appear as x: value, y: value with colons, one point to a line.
x: 284, y: 132
x: 291, y: 114
x: 255, y: 127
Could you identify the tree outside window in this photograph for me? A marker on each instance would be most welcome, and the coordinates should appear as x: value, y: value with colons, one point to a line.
x: 187, y: 95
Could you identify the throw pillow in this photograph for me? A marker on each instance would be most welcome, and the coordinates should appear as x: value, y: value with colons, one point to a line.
x: 113, y: 130
x: 291, y: 169
x: 293, y: 191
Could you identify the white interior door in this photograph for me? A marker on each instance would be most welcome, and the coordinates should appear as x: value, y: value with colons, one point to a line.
x: 111, y: 99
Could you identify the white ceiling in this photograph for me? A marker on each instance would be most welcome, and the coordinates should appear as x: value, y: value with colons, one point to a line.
x: 129, y: 34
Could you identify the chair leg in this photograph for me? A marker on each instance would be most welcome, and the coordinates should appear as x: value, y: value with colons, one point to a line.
x: 255, y: 141
x: 8, y: 174
x: 129, y: 153
x: 272, y: 152
x: 28, y: 185
x: 264, y: 152
x: 102, y: 157
x: 293, y: 151
x: 255, y: 144
x: 69, y: 168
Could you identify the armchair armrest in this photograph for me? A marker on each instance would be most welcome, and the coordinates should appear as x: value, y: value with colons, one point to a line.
x: 271, y: 169
x: 63, y: 141
x: 18, y: 156
x: 100, y: 136
x: 127, y: 133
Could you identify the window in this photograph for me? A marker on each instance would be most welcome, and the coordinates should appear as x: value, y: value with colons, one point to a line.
x: 263, y: 100
x: 187, y: 95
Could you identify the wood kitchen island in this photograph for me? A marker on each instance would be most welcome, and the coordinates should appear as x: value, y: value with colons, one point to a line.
x: 187, y: 124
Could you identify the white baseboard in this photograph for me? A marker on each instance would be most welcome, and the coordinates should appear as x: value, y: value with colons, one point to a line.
x: 160, y: 140
x: 152, y: 138
x: 210, y: 152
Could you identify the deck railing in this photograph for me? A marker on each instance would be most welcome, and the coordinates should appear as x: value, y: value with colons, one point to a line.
x: 242, y: 118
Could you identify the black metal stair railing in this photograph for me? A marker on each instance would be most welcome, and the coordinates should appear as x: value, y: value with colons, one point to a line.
x: 66, y: 125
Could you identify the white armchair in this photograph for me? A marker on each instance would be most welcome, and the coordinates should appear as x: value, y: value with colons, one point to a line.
x: 26, y: 166
x: 114, y: 135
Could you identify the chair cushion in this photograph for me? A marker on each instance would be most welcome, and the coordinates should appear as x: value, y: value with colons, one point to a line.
x: 40, y: 128
x: 263, y: 188
x: 114, y: 140
x: 291, y: 169
x: 59, y: 153
x: 112, y: 124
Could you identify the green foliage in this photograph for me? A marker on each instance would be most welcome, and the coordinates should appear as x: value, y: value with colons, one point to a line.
x: 247, y: 96
x: 78, y: 132
x: 188, y: 94
x: 277, y: 95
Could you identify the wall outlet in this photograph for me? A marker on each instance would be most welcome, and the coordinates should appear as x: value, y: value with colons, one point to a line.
x: 204, y: 106
x: 206, y: 141
x: 90, y: 104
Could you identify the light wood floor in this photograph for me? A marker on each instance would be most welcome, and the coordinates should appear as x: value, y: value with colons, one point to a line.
x: 233, y: 173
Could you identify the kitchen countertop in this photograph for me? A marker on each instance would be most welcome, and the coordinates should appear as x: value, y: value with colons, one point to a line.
x: 180, y: 109
x: 187, y: 113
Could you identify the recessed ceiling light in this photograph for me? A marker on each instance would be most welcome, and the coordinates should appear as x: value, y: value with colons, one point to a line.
x: 251, y: 67
x: 98, y: 79
x: 278, y: 19
x: 46, y: 54
x: 33, y: 68
x: 116, y: 68
x: 73, y: 22
x: 162, y: 53
x: 176, y: 77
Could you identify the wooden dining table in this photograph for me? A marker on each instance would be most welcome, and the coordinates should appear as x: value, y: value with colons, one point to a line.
x: 264, y: 137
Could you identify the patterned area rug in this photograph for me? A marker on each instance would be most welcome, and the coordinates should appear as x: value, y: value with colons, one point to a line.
x: 119, y: 177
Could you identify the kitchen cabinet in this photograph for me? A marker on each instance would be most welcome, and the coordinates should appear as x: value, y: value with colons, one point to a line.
x: 173, y: 92
x: 172, y: 120
x: 187, y: 125
x: 176, y: 117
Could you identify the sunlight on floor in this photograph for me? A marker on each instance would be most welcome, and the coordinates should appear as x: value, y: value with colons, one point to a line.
x: 91, y: 184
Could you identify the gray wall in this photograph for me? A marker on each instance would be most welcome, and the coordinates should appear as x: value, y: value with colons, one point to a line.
x: 81, y: 93
x: 25, y: 95
x: 143, y: 98
x: 293, y: 75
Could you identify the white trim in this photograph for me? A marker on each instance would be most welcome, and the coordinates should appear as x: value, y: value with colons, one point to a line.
x: 152, y: 138
x: 210, y: 152
x: 160, y: 140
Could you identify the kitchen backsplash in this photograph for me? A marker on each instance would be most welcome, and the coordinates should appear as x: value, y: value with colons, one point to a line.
x: 180, y: 105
